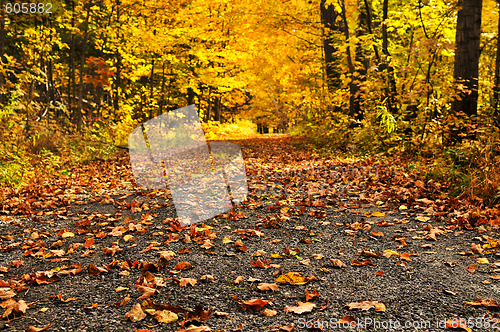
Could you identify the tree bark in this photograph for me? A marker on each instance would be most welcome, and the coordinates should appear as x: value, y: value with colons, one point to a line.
x: 328, y: 17
x: 466, y: 69
x: 496, y: 88
x: 354, y: 105
x: 2, y: 44
x: 79, y: 114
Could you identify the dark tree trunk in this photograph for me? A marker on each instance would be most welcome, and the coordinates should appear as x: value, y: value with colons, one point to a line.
x: 354, y: 105
x: 116, y: 99
x: 496, y: 88
x: 328, y: 17
x: 151, y: 87
x: 466, y: 70
x: 386, y: 66
x: 79, y: 114
x: 2, y: 44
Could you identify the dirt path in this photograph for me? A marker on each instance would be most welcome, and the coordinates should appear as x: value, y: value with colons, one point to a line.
x: 320, y: 242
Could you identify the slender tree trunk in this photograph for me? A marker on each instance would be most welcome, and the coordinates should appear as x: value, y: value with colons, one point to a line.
x: 354, y: 106
x: 466, y: 70
x: 116, y: 97
x: 496, y: 88
x: 79, y: 113
x: 328, y: 17
x: 162, y: 98
x: 2, y: 44
x: 151, y: 87
x: 391, y: 91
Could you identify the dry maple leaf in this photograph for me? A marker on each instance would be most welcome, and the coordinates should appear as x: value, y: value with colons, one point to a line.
x: 254, y: 304
x: 183, y: 266
x: 337, y: 262
x: 301, y: 308
x: 265, y: 286
x: 37, y: 329
x: 112, y: 251
x: 136, y: 313
x: 60, y: 297
x: 89, y: 243
x: 184, y: 281
x: 367, y: 305
x: 146, y: 291
x: 17, y: 263
x: 471, y: 268
x: 6, y: 293
x: 311, y: 295
x: 366, y: 262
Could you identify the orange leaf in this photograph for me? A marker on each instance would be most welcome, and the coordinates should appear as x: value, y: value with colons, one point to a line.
x: 89, y: 243
x: 254, y: 304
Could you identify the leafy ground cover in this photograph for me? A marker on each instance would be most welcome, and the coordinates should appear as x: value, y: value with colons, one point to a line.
x: 320, y: 243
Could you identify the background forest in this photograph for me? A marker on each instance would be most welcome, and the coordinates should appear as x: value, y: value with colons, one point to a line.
x: 417, y: 79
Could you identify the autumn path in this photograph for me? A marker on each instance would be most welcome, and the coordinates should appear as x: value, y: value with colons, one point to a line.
x: 316, y: 237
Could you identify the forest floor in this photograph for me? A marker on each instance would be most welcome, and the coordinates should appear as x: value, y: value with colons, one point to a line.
x: 379, y: 250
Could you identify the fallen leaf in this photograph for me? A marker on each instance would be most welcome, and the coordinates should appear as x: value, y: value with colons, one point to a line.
x: 254, y: 304
x: 367, y: 305
x: 269, y: 312
x: 337, y: 262
x: 311, y: 295
x: 37, y: 329
x: 165, y: 316
x: 266, y: 286
x: 60, y: 297
x: 301, y: 308
x: 184, y: 281
x: 292, y: 278
x: 120, y: 289
x: 136, y: 313
x: 471, y: 268
x: 238, y: 280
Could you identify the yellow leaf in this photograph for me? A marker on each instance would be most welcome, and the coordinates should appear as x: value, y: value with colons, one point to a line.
x: 482, y: 261
x: 378, y: 214
x: 67, y: 234
x: 292, y: 278
x: 166, y: 316
x: 389, y: 253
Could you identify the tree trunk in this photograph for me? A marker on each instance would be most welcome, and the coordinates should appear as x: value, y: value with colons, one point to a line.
x: 466, y: 70
x: 151, y: 87
x: 328, y: 17
x: 354, y: 105
x: 391, y: 82
x: 79, y: 114
x: 496, y: 88
x: 2, y: 44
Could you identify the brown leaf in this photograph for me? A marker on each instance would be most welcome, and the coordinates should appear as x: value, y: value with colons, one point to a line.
x: 184, y: 281
x: 146, y: 291
x: 337, y: 262
x: 238, y: 280
x: 89, y: 243
x: 94, y: 270
x: 311, y: 295
x: 261, y: 264
x: 476, y: 248
x: 367, y: 262
x: 112, y: 251
x: 136, y: 314
x: 183, y: 266
x: 60, y: 297
x: 265, y: 286
x: 6, y: 293
x: 301, y: 308
x: 254, y: 304
x: 471, y: 268
x: 366, y: 305
x: 17, y: 263
x: 37, y: 329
